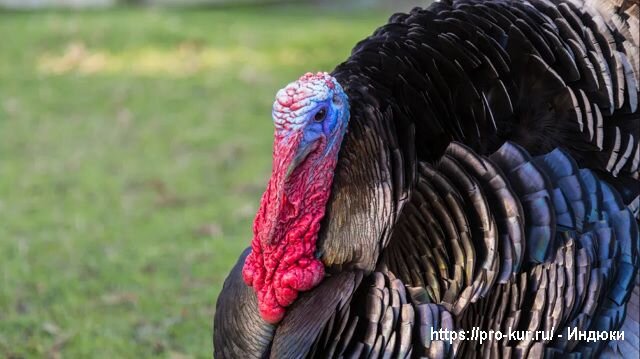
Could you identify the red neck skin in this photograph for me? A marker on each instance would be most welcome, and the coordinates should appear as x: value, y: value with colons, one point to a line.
x: 282, y: 262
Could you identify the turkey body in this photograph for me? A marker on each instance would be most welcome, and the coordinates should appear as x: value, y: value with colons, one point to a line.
x: 488, y: 179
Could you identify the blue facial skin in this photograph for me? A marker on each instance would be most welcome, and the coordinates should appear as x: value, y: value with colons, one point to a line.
x: 328, y: 118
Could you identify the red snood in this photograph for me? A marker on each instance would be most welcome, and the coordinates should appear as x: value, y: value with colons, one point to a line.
x: 282, y: 262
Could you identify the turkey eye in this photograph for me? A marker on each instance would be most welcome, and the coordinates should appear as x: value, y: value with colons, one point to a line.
x: 320, y: 115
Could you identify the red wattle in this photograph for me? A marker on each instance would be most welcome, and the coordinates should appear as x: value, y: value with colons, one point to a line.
x: 282, y: 262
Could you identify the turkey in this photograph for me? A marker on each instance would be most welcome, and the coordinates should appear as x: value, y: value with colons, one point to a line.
x: 471, y: 168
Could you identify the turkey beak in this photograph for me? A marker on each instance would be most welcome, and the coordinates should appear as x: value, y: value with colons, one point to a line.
x: 301, y: 154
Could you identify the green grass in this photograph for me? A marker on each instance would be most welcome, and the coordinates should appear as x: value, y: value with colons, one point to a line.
x: 134, y: 146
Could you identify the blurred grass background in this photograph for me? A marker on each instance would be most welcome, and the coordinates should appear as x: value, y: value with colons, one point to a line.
x: 134, y: 146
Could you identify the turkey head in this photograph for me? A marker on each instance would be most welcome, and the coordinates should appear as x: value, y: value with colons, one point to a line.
x: 310, y: 117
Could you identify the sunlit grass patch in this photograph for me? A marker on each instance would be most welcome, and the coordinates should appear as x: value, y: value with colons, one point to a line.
x: 186, y: 59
